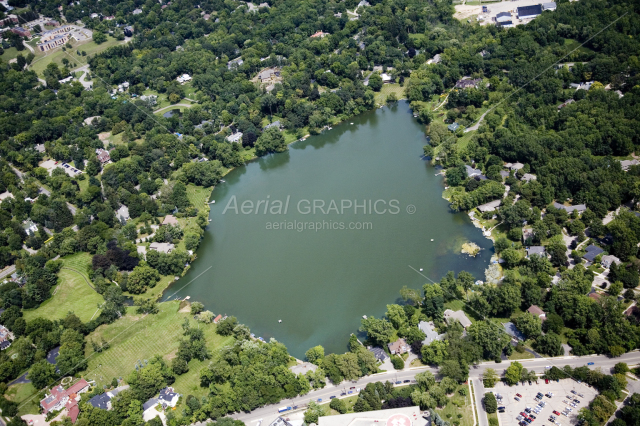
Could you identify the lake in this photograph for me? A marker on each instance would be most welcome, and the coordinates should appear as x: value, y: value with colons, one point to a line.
x: 328, y: 232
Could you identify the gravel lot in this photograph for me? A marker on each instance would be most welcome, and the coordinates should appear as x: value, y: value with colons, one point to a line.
x: 560, y: 392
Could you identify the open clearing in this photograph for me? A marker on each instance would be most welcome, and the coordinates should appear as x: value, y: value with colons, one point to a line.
x: 72, y: 293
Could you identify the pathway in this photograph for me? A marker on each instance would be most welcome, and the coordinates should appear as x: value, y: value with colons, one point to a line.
x: 82, y: 275
x: 477, y: 125
x: 7, y: 271
x: 478, y: 391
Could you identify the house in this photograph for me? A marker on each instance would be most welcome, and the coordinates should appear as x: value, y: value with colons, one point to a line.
x: 511, y: 329
x: 170, y: 220
x: 217, y: 319
x: 528, y: 177
x: 398, y: 347
x: 137, y: 11
x: 235, y: 137
x: 595, y: 296
x: 592, y: 253
x: 103, y: 401
x: 514, y: 166
x: 235, y: 63
x: 564, y: 104
x: 435, y: 60
x: 528, y: 12
x: 549, y: 6
x: 609, y: 260
x: 527, y: 234
x: 386, y: 78
x: 274, y: 125
x: 506, y: 24
x: 29, y: 227
x: 379, y: 353
x: 490, y: 206
x: 268, y: 75
x: 406, y: 416
x: 303, y: 368
x: 73, y: 411
x: 459, y: 316
x: 168, y: 397
x: 40, y: 148
x: 128, y: 31
x: 580, y: 208
x: 539, y: 250
x: 22, y: 32
x: 123, y: 214
x: 162, y: 247
x: 471, y: 172
x: 103, y: 156
x: 453, y: 127
x: 535, y: 310
x: 319, y: 34
x: 10, y: 19
x: 503, y: 17
x: 59, y: 397
x: 89, y: 120
x: 430, y: 332
x: 626, y: 164
x: 468, y: 83
x: 183, y: 78
x: 5, y: 337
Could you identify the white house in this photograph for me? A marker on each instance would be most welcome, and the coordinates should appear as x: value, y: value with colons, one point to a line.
x: 183, y: 78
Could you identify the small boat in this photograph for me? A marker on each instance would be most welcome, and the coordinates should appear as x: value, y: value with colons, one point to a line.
x: 420, y: 269
x: 364, y: 316
x: 279, y: 321
x: 213, y: 202
x: 222, y: 180
x: 432, y: 239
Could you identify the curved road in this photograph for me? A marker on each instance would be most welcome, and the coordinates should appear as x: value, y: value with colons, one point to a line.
x: 172, y: 106
x: 537, y: 364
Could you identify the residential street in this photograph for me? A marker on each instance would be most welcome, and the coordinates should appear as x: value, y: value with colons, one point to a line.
x: 268, y: 413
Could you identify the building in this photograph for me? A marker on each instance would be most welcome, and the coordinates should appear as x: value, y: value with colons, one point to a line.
x: 183, y: 78
x: 505, y: 24
x: 406, y: 416
x: 235, y: 137
x: 386, y: 78
x: 529, y: 12
x: 103, y: 156
x: 490, y: 206
x: 168, y: 397
x: 398, y: 347
x: 453, y: 127
x: 468, y: 83
x: 59, y: 397
x: 54, y: 38
x: 73, y: 411
x: 580, y: 208
x: 514, y: 166
x: 435, y: 60
x: 535, y: 310
x: 103, y: 401
x: 22, y: 32
x: 626, y: 164
x: 609, y: 260
x: 9, y: 20
x: 29, y: 227
x: 162, y: 247
x: 459, y: 316
x: 564, y: 104
x: 170, y: 220
x: 123, y: 214
x: 503, y: 16
x: 549, y: 6
x: 303, y: 368
x: 235, y: 63
x: 471, y: 172
x: 281, y: 421
x: 274, y: 125
x: 379, y: 353
x: 592, y: 253
x: 217, y: 319
x: 539, y: 250
x: 430, y: 332
x: 269, y: 75
x: 5, y: 337
x: 137, y: 11
x: 528, y: 177
x: 319, y: 34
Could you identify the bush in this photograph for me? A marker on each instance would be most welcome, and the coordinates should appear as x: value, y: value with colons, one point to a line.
x: 398, y: 363
x: 490, y: 403
x: 338, y: 405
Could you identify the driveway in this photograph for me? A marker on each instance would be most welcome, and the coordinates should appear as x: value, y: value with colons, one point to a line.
x: 479, y: 391
x: 7, y: 271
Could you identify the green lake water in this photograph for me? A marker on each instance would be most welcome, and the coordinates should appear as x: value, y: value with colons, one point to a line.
x: 320, y: 283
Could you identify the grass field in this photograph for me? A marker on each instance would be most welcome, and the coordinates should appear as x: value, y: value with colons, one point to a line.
x: 41, y: 60
x: 350, y: 401
x: 517, y: 355
x: 12, y: 53
x: 138, y: 337
x: 387, y: 89
x: 72, y: 294
x: 198, y: 195
x: 22, y: 392
x: 458, y: 408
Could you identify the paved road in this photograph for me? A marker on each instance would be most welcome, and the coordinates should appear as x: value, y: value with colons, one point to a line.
x: 477, y: 125
x: 536, y: 364
x: 8, y: 271
x: 478, y: 391
x: 172, y: 106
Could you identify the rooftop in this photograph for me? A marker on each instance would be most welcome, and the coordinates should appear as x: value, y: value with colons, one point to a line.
x: 303, y: 368
x: 513, y: 331
x: 428, y: 329
x: 592, y: 253
x: 535, y: 310
x: 460, y: 316
x: 407, y: 416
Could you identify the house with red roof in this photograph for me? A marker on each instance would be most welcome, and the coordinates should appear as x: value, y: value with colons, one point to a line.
x: 61, y: 397
x: 217, y: 320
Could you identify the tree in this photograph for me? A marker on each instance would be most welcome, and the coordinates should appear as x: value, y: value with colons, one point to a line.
x: 338, y: 405
x: 490, y: 403
x: 615, y: 288
x: 530, y: 325
x: 434, y: 353
x: 142, y: 277
x: 490, y: 336
x: 196, y: 308
x: 42, y: 374
x: 269, y: 142
x: 313, y: 412
x: 379, y: 331
x: 398, y: 363
x: 315, y: 355
x: 553, y: 323
x: 490, y: 377
x: 513, y: 373
x: 426, y: 380
x: 621, y: 368
x: 549, y: 344
x: 410, y: 295
x: 226, y: 326
x: 375, y: 82
x: 433, y: 301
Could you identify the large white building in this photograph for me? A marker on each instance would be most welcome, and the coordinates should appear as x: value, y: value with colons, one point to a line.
x: 407, y: 416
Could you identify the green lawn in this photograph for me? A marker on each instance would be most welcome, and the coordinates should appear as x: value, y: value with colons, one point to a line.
x: 72, y: 293
x: 350, y: 401
x: 387, y: 89
x: 176, y: 106
x: 458, y: 409
x: 137, y: 337
x: 12, y: 53
x: 198, y: 195
x: 43, y: 59
x: 517, y: 355
x: 22, y: 392
x: 155, y: 292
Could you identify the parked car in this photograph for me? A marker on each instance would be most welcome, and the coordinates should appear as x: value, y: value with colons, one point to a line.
x: 518, y: 395
x: 546, y: 381
x: 556, y: 413
x: 516, y: 398
x: 590, y: 363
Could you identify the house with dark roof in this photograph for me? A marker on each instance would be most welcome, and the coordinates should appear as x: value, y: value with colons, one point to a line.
x: 379, y: 353
x: 468, y: 83
x: 453, y: 127
x: 527, y: 12
x: 168, y: 397
x: 592, y: 253
x: 539, y: 250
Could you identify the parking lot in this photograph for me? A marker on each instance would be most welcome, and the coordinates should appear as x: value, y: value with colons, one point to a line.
x: 558, y: 402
